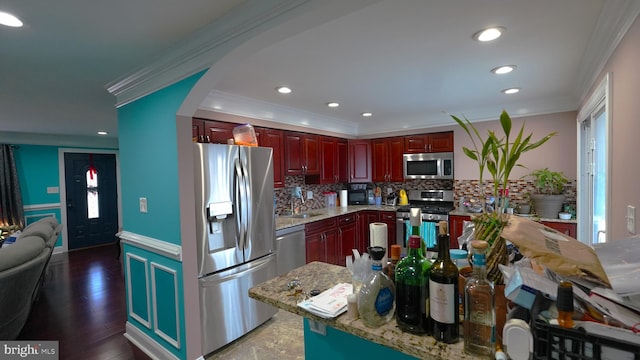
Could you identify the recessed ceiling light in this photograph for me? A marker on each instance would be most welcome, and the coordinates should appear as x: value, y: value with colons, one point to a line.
x: 504, y: 69
x: 102, y: 133
x: 488, y: 34
x: 367, y: 114
x: 333, y: 104
x: 9, y: 20
x: 284, y: 90
x: 511, y: 91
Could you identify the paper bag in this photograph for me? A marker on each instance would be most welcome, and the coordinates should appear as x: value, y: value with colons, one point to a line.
x: 560, y: 253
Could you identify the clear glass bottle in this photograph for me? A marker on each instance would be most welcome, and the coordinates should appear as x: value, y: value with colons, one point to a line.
x: 412, y: 290
x: 444, y: 292
x: 480, y: 312
x: 376, y: 300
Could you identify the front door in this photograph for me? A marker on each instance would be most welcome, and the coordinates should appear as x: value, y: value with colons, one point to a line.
x: 92, y: 206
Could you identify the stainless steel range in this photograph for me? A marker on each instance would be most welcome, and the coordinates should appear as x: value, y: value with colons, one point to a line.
x: 434, y: 205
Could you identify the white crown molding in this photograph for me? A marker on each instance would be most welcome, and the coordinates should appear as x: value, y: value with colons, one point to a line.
x: 614, y: 22
x: 22, y: 138
x: 232, y: 104
x: 160, y: 247
x: 199, y: 51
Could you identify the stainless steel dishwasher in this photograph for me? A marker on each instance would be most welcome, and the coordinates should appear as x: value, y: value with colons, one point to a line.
x: 290, y: 248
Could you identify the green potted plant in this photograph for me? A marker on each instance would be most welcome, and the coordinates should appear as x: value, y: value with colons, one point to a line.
x: 499, y: 154
x: 549, y: 196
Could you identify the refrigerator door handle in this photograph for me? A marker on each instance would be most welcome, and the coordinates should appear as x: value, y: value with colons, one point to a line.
x: 247, y: 206
x: 237, y: 272
x: 238, y: 203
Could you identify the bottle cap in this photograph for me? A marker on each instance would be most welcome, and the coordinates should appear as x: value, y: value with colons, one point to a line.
x: 414, y: 242
x: 376, y: 252
x: 415, y: 217
x: 443, y: 228
x: 395, y: 251
x: 565, y: 296
x: 479, y: 245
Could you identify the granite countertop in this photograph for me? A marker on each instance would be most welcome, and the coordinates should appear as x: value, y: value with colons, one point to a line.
x: 321, y: 276
x: 284, y: 221
x: 466, y: 213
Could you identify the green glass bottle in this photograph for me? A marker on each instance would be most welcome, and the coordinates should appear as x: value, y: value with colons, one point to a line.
x: 443, y: 291
x: 412, y: 290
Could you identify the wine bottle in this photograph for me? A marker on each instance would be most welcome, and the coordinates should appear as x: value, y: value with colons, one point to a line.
x: 412, y: 290
x: 443, y: 291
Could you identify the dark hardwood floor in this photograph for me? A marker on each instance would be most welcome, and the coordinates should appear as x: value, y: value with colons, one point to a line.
x: 82, y: 306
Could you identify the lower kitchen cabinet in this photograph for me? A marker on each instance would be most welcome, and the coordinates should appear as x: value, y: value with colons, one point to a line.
x: 569, y: 229
x: 321, y: 239
x: 456, y: 223
x: 347, y: 236
x: 389, y: 218
x: 365, y: 218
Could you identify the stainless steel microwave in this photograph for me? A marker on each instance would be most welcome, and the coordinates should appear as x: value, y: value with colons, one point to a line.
x: 428, y: 166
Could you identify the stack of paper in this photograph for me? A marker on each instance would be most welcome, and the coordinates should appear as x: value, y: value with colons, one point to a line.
x: 330, y: 303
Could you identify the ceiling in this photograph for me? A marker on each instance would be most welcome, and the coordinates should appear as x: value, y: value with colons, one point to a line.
x: 409, y: 62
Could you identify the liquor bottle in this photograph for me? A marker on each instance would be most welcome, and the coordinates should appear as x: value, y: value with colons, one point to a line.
x: 376, y: 299
x: 412, y: 290
x: 443, y: 292
x: 564, y: 303
x: 390, y: 268
x: 480, y: 312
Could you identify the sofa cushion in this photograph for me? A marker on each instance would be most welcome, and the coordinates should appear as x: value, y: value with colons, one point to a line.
x: 24, y: 249
x: 39, y: 228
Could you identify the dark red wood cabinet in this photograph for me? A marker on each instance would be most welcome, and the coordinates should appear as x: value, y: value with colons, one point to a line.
x: 365, y: 218
x: 387, y: 159
x: 197, y: 130
x: 333, y: 160
x: 348, y: 238
x: 456, y: 223
x: 569, y: 229
x: 302, y: 153
x: 218, y: 132
x: 321, y: 239
x: 359, y: 161
x: 274, y: 139
x: 430, y: 142
x: 389, y: 218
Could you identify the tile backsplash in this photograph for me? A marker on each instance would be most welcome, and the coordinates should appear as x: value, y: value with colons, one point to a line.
x: 462, y: 188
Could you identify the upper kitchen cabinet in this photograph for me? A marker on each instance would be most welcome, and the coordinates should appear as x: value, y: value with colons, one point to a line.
x: 302, y: 153
x: 274, y: 139
x: 218, y: 132
x: 387, y: 159
x: 431, y: 142
x: 197, y: 130
x: 359, y: 160
x: 333, y: 160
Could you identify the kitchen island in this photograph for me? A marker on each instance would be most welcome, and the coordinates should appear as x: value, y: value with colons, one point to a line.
x: 344, y: 337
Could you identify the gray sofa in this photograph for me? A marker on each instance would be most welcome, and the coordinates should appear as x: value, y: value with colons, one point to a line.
x: 23, y: 268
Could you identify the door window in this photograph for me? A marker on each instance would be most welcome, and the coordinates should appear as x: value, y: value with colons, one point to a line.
x: 93, y: 201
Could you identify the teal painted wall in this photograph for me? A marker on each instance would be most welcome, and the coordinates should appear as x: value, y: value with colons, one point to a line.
x: 166, y: 326
x: 337, y: 344
x: 149, y: 162
x: 37, y: 169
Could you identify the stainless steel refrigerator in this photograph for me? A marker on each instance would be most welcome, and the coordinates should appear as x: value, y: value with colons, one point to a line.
x: 235, y: 238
